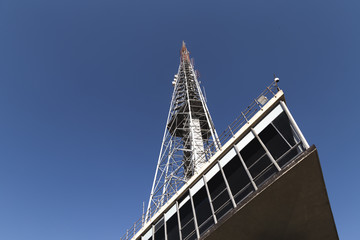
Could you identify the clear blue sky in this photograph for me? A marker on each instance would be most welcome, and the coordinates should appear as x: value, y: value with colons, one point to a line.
x: 85, y: 87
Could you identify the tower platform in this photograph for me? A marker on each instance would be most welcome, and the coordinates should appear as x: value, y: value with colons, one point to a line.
x: 265, y: 182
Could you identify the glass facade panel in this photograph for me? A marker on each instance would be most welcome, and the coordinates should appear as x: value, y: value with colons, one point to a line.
x: 238, y: 179
x: 257, y: 161
x: 264, y: 175
x: 172, y: 228
x: 187, y: 221
x: 276, y: 145
x: 289, y: 156
x: 203, y: 210
x: 282, y: 123
x: 252, y: 152
x: 159, y: 230
x: 281, y: 140
x: 259, y: 166
x: 219, y: 195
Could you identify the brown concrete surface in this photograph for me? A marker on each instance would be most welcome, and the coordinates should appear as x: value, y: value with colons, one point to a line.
x: 292, y: 205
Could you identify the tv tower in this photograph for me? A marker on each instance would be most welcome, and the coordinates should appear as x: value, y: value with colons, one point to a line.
x: 262, y: 181
x: 189, y: 140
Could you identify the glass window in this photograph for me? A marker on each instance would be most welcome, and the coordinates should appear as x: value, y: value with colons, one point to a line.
x: 238, y: 179
x: 187, y: 219
x: 203, y: 210
x: 276, y: 145
x: 219, y: 195
x: 172, y: 228
x: 257, y: 161
x: 252, y: 152
x: 282, y: 125
x: 159, y: 230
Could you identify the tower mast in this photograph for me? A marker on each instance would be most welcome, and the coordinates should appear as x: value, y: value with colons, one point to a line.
x: 189, y: 140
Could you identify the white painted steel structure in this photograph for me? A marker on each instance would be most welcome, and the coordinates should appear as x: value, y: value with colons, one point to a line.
x: 188, y: 134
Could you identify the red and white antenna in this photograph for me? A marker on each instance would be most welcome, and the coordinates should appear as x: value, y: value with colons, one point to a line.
x: 189, y: 140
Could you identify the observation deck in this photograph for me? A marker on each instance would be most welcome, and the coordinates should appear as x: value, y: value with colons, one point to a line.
x: 264, y: 182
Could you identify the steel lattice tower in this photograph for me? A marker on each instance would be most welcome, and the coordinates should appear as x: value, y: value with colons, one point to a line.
x: 189, y: 138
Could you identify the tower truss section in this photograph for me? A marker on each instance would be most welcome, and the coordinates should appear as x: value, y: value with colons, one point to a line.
x: 189, y: 140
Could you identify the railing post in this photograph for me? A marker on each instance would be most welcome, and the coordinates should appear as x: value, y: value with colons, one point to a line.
x: 257, y: 102
x: 244, y: 116
x: 231, y: 131
x: 271, y: 91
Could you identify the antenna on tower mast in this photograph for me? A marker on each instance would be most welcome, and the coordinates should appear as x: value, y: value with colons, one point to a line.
x: 189, y: 140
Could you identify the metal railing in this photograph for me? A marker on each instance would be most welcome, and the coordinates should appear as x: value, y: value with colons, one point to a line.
x: 246, y: 115
x: 228, y: 133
